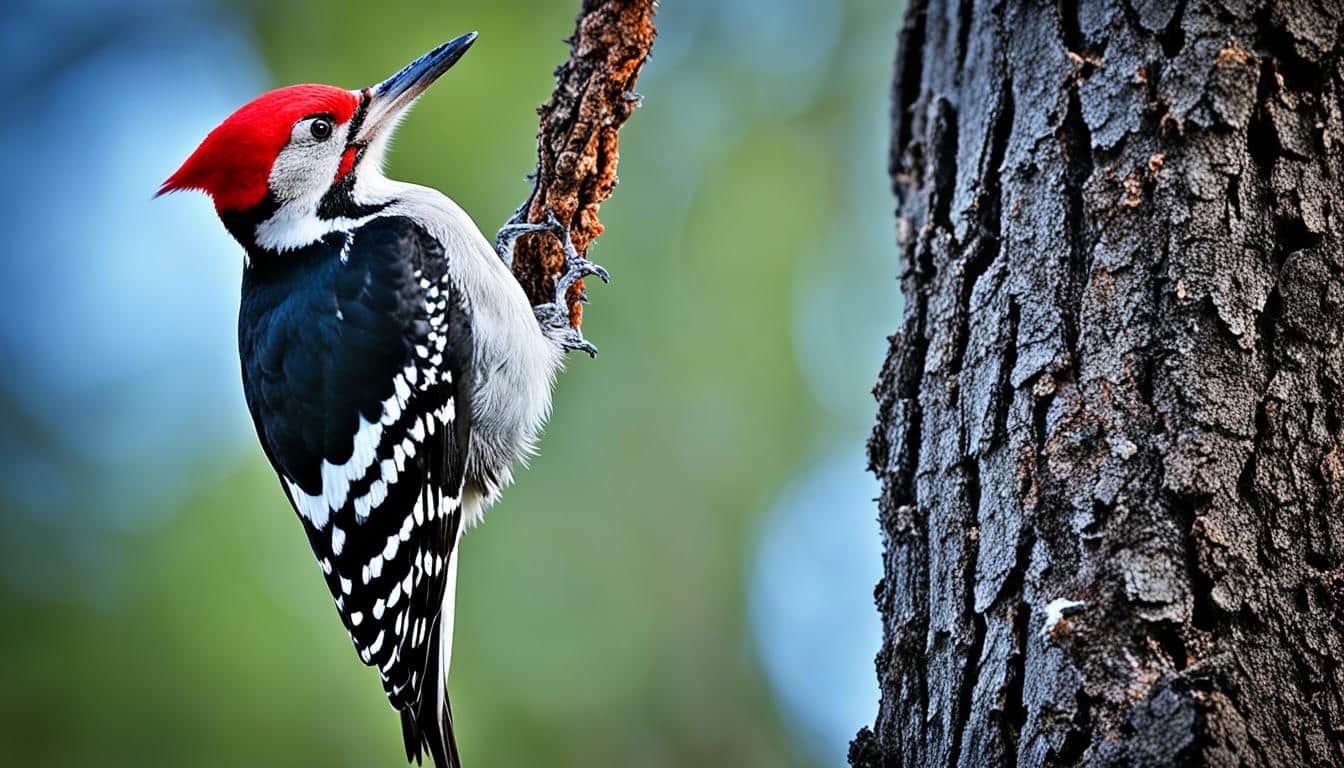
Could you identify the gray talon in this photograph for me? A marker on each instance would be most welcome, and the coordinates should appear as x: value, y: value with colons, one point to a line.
x: 594, y: 269
x: 554, y: 320
x: 553, y: 316
x: 509, y: 234
x: 583, y: 345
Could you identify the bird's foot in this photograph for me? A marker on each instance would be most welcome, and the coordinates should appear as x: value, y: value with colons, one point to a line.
x: 576, y: 267
x: 554, y: 321
x: 509, y: 234
x: 554, y: 315
x: 516, y: 226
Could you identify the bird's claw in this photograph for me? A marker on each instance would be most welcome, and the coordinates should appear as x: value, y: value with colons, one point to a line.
x: 509, y: 234
x: 581, y: 344
x: 576, y: 267
x: 575, y: 270
x: 554, y: 320
x: 554, y: 315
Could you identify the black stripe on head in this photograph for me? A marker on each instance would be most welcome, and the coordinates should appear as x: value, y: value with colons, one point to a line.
x: 361, y: 111
x: 339, y: 201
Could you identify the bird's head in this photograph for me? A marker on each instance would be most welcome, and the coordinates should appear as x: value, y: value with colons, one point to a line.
x: 294, y: 163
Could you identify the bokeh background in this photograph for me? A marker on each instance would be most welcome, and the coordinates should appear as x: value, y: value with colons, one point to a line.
x: 685, y: 575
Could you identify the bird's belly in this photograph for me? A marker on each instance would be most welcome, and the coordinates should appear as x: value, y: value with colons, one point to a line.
x: 511, y: 398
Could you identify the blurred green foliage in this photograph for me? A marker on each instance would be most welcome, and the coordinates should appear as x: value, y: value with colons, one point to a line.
x: 601, y: 607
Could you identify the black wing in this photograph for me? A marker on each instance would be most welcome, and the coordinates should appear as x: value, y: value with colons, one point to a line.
x: 356, y: 353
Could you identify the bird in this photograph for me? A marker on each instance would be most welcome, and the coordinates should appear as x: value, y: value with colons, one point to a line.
x: 393, y: 367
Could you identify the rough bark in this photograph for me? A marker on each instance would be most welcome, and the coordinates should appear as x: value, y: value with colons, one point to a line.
x: 1118, y: 384
x: 577, y: 139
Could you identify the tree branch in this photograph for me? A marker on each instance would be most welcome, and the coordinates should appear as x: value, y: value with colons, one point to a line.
x: 577, y: 140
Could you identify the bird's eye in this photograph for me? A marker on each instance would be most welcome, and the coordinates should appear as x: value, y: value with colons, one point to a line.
x: 321, y: 129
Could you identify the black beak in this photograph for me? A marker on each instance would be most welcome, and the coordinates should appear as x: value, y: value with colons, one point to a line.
x: 388, y: 99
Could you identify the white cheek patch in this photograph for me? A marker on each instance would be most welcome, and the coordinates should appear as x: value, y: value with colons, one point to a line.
x: 301, y: 175
x: 304, y: 172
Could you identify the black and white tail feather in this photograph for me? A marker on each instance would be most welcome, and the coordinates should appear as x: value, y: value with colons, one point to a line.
x: 428, y: 726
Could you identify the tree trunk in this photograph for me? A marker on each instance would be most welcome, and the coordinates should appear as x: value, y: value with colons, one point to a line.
x: 1109, y: 433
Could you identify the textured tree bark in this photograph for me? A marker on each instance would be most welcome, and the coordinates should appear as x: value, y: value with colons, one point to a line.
x: 577, y: 140
x: 1109, y: 432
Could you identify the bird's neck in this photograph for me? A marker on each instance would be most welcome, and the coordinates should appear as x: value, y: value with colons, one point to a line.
x: 272, y: 227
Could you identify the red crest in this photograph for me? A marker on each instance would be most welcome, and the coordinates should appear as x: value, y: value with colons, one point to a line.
x: 234, y: 162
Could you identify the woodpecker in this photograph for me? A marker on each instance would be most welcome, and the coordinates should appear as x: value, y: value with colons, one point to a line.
x: 393, y: 366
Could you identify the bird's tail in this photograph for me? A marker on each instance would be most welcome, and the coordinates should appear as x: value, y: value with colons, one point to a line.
x: 429, y: 725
